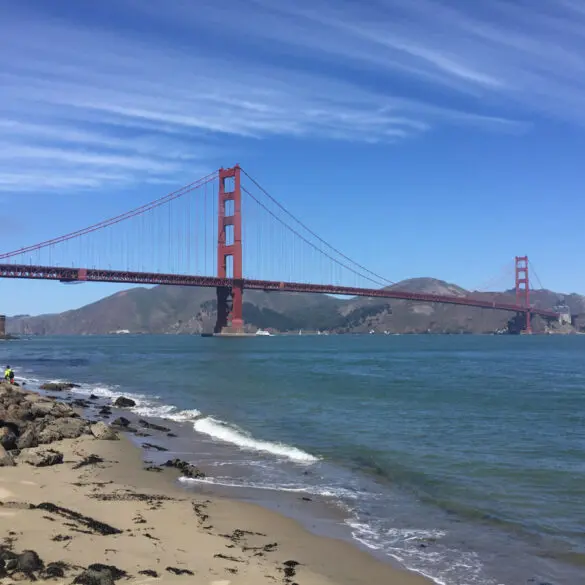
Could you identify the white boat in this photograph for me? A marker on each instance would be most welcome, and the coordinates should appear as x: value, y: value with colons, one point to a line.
x: 265, y: 333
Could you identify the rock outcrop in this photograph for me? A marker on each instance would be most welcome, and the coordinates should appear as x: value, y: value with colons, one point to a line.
x: 187, y: 469
x: 29, y: 422
x: 58, y: 386
x: 123, y: 402
x: 103, y: 432
x: 40, y: 457
x: 5, y: 458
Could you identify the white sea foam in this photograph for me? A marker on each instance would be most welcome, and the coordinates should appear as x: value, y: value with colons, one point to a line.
x: 441, y: 564
x: 166, y: 411
x: 149, y: 407
x: 219, y: 430
x: 145, y: 406
x: 28, y: 381
x: 327, y: 492
x: 366, y: 532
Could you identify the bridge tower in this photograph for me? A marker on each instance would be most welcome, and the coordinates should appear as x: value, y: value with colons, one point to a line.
x: 523, y: 289
x: 229, y: 252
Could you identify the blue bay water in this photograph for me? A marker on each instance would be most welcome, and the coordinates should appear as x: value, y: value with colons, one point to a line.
x: 462, y: 457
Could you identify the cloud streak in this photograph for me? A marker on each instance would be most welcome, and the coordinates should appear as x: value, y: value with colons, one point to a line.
x: 85, y: 106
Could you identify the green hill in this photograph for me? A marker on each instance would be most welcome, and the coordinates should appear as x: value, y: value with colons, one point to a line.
x: 188, y: 310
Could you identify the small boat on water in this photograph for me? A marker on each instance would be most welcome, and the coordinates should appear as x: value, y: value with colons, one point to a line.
x: 264, y: 333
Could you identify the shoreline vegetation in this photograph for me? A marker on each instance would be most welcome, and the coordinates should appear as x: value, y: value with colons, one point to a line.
x: 79, y: 504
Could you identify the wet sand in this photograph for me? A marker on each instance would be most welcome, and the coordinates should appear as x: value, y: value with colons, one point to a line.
x: 101, y: 505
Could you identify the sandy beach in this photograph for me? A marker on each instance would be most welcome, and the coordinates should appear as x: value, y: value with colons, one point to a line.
x: 93, y: 512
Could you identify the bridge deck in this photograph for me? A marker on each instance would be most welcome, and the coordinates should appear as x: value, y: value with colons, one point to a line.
x: 119, y: 276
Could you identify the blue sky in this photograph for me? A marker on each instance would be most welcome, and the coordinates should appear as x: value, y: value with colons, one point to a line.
x: 421, y: 137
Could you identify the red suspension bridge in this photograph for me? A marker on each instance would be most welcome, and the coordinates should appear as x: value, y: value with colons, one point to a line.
x: 195, y: 237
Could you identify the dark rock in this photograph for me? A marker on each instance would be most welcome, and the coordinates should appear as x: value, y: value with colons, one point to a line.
x: 22, y: 416
x: 151, y: 446
x: 153, y: 468
x: 93, y: 397
x: 141, y: 433
x: 172, y: 435
x: 61, y: 410
x: 105, y: 411
x: 185, y: 468
x: 120, y: 422
x: 80, y: 403
x: 148, y: 573
x: 19, y: 414
x: 41, y: 409
x: 40, y: 457
x: 5, y: 458
x: 123, y: 402
x: 91, y: 577
x: 55, y: 570
x: 152, y: 426
x: 63, y: 428
x: 28, y: 439
x: 8, y: 559
x: 29, y: 562
x: 7, y: 438
x: 114, y: 571
x: 15, y: 426
x: 58, y: 386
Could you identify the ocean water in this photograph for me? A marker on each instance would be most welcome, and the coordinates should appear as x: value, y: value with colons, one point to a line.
x: 461, y: 457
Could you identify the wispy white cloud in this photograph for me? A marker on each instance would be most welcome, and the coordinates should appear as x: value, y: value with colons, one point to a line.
x: 84, y: 106
x: 517, y: 54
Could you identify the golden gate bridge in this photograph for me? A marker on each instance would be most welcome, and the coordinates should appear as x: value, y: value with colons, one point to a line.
x: 206, y: 232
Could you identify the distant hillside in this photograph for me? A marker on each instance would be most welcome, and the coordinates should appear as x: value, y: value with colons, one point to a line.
x: 180, y: 310
x: 187, y: 310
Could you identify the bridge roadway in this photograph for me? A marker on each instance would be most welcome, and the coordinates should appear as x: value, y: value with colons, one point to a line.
x: 69, y: 275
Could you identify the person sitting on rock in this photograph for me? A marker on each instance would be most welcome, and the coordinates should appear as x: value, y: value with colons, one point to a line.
x: 9, y: 374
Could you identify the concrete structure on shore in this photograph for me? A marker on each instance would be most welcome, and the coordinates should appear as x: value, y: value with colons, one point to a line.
x: 2, y: 326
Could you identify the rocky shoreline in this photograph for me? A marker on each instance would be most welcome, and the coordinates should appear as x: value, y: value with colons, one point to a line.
x: 80, y: 505
x: 29, y: 424
x: 30, y: 421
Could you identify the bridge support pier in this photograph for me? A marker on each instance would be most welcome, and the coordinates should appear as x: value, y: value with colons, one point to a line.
x: 230, y: 318
x: 523, y: 290
x: 223, y: 308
